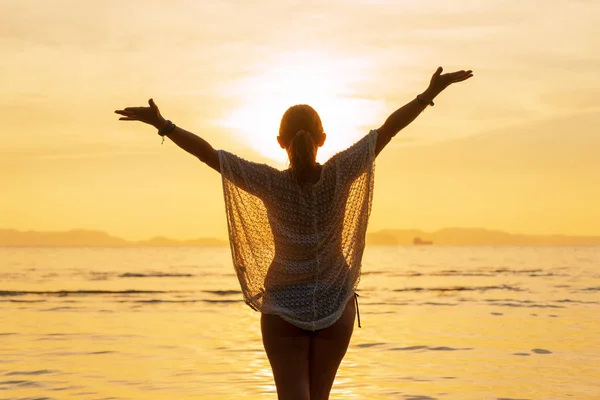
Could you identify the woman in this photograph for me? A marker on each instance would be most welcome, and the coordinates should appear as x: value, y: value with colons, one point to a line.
x: 297, y: 236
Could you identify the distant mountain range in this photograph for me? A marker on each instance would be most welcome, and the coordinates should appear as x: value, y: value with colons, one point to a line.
x: 475, y: 237
x: 81, y: 237
x: 387, y: 237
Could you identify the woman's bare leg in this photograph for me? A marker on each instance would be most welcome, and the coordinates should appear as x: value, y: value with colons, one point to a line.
x: 327, y: 349
x: 288, y: 349
x: 305, y: 363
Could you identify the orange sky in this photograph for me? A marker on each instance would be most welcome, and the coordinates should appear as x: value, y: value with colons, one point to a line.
x: 515, y: 148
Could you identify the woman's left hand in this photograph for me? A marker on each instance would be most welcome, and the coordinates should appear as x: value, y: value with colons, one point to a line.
x: 149, y: 115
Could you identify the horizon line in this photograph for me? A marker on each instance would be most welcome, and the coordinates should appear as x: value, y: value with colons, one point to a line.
x: 382, y: 230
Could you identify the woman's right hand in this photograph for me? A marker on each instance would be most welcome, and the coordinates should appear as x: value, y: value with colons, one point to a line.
x: 441, y: 81
x: 149, y: 115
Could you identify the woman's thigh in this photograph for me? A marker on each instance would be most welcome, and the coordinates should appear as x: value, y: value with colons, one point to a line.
x: 288, y: 349
x: 327, y: 349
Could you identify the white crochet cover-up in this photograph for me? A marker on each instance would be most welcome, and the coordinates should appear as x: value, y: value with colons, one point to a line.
x: 297, y: 248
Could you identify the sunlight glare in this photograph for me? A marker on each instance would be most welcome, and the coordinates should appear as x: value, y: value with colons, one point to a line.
x: 304, y: 78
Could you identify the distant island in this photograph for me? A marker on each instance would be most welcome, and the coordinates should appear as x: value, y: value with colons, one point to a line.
x: 387, y: 237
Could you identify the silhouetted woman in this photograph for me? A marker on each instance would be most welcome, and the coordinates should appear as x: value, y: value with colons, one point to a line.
x: 297, y: 236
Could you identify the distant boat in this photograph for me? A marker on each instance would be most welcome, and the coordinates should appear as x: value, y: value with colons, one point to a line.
x: 418, y: 241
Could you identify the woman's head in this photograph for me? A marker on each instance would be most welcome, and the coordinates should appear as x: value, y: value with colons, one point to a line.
x: 301, y: 134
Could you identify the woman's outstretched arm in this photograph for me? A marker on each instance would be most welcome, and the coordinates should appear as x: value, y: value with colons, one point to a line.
x: 196, y: 146
x: 189, y: 142
x: 400, y: 118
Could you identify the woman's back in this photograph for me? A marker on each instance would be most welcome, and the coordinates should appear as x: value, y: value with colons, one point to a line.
x: 297, y: 247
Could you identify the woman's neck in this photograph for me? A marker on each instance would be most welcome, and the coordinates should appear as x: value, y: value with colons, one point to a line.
x: 312, y: 174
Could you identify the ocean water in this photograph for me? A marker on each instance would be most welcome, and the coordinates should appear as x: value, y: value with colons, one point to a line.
x: 169, y: 323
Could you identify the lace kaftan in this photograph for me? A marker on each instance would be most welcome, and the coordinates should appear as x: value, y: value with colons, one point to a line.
x: 297, y: 248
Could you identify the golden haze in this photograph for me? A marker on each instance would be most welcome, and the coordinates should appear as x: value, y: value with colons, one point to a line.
x: 514, y: 149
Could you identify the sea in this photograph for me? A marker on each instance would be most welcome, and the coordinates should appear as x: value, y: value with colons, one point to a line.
x: 501, y: 323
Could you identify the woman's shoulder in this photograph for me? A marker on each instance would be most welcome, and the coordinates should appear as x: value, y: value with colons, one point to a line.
x: 363, y: 147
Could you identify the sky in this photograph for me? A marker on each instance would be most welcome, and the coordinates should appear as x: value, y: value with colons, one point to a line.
x: 514, y: 148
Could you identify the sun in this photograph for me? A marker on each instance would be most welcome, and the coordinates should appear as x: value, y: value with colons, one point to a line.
x: 326, y: 84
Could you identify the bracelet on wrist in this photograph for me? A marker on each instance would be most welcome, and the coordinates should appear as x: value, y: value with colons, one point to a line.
x: 165, y: 130
x: 424, y: 102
